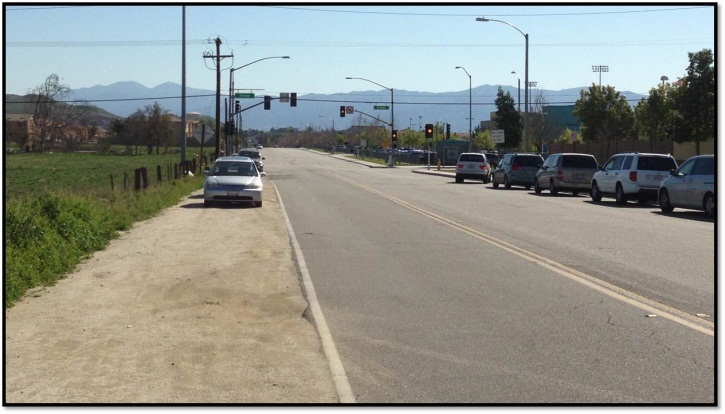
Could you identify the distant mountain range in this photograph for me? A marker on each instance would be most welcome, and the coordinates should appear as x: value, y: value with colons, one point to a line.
x: 411, y: 109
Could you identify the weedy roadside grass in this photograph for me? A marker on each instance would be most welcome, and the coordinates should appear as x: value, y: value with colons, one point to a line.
x: 59, y: 209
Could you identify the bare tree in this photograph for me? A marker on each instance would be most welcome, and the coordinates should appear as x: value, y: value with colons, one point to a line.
x: 54, y: 120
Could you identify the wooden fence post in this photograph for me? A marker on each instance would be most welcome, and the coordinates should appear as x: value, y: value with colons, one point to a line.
x: 137, y: 179
x: 111, y: 182
x: 158, y: 173
x: 145, y: 177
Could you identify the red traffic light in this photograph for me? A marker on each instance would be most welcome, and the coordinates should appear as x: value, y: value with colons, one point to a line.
x: 429, y: 130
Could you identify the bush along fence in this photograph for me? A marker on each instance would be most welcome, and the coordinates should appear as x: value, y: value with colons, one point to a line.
x: 141, y: 175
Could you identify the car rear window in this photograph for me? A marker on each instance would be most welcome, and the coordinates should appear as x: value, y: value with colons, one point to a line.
x: 650, y: 163
x: 472, y: 157
x: 528, y: 161
x: 704, y: 166
x: 250, y: 154
x: 578, y: 161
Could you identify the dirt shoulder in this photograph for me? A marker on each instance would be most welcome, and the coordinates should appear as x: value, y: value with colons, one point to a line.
x: 193, y: 306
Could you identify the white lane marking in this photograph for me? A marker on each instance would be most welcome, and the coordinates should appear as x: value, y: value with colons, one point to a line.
x: 339, y: 376
x: 609, y: 289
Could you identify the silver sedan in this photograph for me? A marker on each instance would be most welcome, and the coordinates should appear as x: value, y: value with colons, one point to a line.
x: 233, y: 179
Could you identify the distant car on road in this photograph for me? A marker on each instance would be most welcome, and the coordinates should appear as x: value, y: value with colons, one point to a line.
x: 255, y: 155
x: 517, y: 169
x: 259, y: 146
x: 472, y: 166
x: 233, y: 179
x: 567, y: 172
x: 632, y: 175
x: 692, y: 186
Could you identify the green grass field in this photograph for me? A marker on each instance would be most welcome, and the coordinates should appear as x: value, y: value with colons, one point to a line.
x: 59, y: 209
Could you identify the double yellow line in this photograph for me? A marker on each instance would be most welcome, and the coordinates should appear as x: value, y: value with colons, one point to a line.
x: 650, y: 306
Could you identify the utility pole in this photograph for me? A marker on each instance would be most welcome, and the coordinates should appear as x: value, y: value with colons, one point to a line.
x: 218, y: 58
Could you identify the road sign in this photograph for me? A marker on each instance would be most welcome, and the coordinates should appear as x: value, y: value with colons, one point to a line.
x: 381, y: 107
x: 244, y: 95
x: 284, y: 97
x: 349, y: 110
x: 497, y: 136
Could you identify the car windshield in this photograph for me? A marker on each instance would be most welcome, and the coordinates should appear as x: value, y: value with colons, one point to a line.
x: 250, y: 154
x: 245, y: 169
x: 528, y: 161
x: 579, y: 162
x: 472, y: 157
x: 649, y: 163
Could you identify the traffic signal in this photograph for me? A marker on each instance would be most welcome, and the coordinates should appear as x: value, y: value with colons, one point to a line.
x: 395, y: 135
x: 293, y: 99
x: 237, y: 107
x: 448, y: 131
x: 342, y: 111
x: 267, y: 102
x: 429, y: 130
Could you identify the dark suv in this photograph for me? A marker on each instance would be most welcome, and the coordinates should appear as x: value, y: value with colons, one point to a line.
x: 255, y: 155
x: 517, y: 169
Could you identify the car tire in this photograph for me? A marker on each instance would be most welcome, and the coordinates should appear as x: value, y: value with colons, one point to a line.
x: 495, y: 184
x: 664, y: 200
x: 595, y: 193
x: 506, y: 182
x: 552, y: 188
x: 459, y: 180
x: 207, y: 203
x: 619, y: 196
x: 576, y: 193
x: 258, y: 204
x: 537, y: 189
x: 708, y: 205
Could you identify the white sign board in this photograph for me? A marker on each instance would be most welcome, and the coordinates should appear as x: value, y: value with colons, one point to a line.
x: 497, y: 136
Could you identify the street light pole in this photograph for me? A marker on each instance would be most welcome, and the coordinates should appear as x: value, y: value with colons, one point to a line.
x: 519, y: 86
x: 526, y: 77
x: 392, y: 108
x: 470, y: 109
x: 231, y: 81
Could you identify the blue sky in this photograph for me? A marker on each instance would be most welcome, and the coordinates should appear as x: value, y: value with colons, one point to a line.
x: 412, y: 47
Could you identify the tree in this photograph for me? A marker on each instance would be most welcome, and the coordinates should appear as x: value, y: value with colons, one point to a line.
x: 540, y: 127
x: 694, y: 101
x: 605, y: 115
x: 508, y: 119
x: 53, y: 119
x: 654, y: 115
x: 482, y: 139
x: 159, y: 131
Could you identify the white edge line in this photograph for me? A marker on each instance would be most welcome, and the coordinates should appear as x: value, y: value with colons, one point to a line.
x: 339, y: 377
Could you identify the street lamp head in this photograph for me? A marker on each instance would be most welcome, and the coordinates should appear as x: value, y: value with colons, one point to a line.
x: 481, y: 19
x: 347, y: 77
x: 458, y: 67
x: 514, y: 72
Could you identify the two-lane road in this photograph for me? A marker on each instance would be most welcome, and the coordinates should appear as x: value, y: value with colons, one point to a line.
x: 437, y: 292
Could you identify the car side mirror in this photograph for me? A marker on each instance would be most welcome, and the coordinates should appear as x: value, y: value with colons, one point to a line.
x: 264, y: 158
x: 206, y: 171
x: 673, y: 172
x: 263, y: 174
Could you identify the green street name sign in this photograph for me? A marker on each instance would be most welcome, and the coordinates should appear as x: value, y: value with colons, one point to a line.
x: 381, y: 107
x: 244, y: 95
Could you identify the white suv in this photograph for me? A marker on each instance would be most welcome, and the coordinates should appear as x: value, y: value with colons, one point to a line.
x: 632, y: 176
x: 473, y: 166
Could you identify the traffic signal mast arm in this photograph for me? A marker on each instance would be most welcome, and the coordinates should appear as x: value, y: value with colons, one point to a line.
x: 386, y: 123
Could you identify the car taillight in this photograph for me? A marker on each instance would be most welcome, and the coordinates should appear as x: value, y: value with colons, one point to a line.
x: 560, y: 175
x: 459, y: 165
x: 516, y: 167
x: 484, y: 167
x: 633, y: 176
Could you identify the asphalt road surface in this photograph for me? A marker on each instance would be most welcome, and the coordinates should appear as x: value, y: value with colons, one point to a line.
x: 437, y: 292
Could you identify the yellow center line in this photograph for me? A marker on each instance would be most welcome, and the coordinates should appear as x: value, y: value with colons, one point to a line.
x: 675, y: 315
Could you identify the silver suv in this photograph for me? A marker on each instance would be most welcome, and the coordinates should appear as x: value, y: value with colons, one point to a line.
x: 632, y: 176
x: 473, y: 166
x: 566, y: 172
x: 517, y: 169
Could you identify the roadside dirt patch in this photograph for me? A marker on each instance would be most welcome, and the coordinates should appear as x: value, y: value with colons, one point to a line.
x: 197, y: 305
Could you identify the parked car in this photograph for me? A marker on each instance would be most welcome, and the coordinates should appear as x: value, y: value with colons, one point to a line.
x: 233, y: 179
x: 691, y: 186
x: 493, y: 159
x: 517, y: 169
x: 259, y: 146
x: 632, y: 176
x: 255, y: 155
x: 566, y: 172
x: 472, y: 166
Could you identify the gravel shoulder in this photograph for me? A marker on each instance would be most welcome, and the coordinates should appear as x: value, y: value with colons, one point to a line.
x: 197, y: 305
